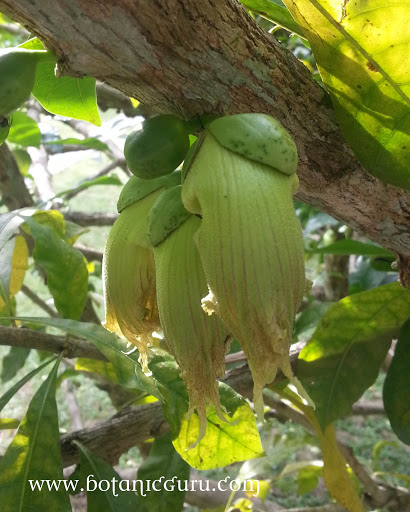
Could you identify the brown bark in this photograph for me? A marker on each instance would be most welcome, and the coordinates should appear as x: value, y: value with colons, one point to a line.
x: 188, y: 58
x: 14, y: 192
x: 29, y: 338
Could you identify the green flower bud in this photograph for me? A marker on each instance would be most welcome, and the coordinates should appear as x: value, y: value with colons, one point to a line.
x: 128, y: 267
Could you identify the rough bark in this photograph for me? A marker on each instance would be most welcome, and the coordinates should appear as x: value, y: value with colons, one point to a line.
x: 14, y: 192
x: 188, y: 58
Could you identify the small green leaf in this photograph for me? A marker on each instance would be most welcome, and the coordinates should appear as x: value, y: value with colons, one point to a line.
x: 34, y: 454
x: 66, y: 96
x: 24, y: 131
x: 89, y: 143
x: 8, y: 395
x: 308, y: 478
x: 23, y: 160
x: 349, y: 246
x: 13, y: 362
x: 111, y: 498
x: 343, y: 357
x: 396, y: 389
x: 164, y: 463
x: 67, y: 274
x: 73, y: 232
x: 275, y: 13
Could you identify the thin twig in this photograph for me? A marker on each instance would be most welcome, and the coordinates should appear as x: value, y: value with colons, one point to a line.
x: 29, y: 338
x: 40, y: 302
x: 91, y: 219
x: 105, y: 170
x: 89, y: 252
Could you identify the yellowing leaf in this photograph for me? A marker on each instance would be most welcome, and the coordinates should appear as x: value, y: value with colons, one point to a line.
x: 335, y: 474
x: 53, y: 219
x: 98, y: 367
x: 223, y: 443
x: 19, y: 264
x: 362, y: 49
x: 335, y: 471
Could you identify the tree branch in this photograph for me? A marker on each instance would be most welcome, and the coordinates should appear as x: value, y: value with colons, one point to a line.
x: 29, y: 338
x: 38, y: 301
x: 91, y: 219
x: 14, y: 192
x: 210, y: 57
x: 89, y: 252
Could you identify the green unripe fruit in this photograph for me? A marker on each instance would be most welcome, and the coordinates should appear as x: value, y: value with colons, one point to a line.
x: 158, y: 148
x: 17, y: 75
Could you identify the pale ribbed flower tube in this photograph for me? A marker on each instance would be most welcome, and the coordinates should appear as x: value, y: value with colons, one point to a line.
x: 128, y: 266
x: 197, y: 341
x: 250, y: 243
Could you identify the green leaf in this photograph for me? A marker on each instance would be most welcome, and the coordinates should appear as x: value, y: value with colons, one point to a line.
x: 34, y: 454
x: 114, y: 348
x: 164, y: 463
x: 9, y: 423
x: 310, y: 317
x: 53, y: 219
x: 223, y: 443
x: 65, y: 96
x: 308, y: 478
x: 8, y: 395
x: 24, y: 131
x: 275, y: 13
x: 73, y: 232
x: 23, y: 160
x: 89, y: 143
x: 67, y: 274
x: 396, y: 387
x: 361, y: 50
x: 343, y: 357
x: 13, y: 362
x: 111, y: 500
x: 349, y: 246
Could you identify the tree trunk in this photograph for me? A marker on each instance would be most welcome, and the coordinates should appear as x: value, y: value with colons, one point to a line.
x: 188, y: 57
